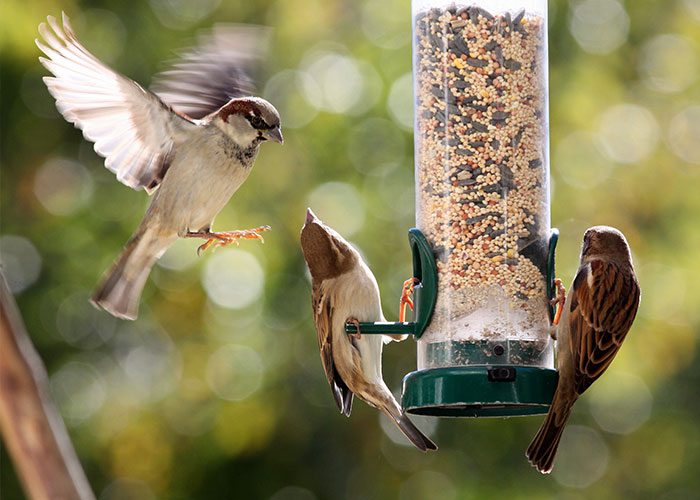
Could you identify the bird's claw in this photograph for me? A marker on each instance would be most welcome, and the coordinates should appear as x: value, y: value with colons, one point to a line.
x: 406, y: 300
x: 225, y: 238
x: 203, y: 248
x: 559, y: 301
x: 357, y: 335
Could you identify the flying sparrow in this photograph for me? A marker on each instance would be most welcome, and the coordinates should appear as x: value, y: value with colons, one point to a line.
x: 597, y: 315
x: 192, y: 141
x: 344, y: 289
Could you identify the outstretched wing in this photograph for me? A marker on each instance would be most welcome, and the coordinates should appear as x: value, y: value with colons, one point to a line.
x: 323, y: 319
x: 218, y: 69
x: 605, y: 302
x: 131, y: 127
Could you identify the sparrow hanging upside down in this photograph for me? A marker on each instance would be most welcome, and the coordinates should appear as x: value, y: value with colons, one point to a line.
x: 596, y: 317
x: 192, y: 141
x: 344, y: 289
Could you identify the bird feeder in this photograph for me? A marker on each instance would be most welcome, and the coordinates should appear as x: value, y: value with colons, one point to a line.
x: 483, y: 249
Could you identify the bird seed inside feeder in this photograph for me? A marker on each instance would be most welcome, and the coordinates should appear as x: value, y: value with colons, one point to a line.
x: 482, y: 182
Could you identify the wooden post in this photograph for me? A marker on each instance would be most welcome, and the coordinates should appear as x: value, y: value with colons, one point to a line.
x: 31, y: 427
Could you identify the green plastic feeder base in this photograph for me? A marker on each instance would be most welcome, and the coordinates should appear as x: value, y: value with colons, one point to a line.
x: 479, y: 391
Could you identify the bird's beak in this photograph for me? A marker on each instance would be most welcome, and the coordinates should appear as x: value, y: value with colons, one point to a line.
x: 274, y: 134
x: 310, y: 216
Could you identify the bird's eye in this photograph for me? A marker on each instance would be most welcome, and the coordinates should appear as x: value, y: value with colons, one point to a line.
x: 257, y: 122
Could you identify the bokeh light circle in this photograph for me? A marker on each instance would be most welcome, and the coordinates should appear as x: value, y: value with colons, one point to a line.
x: 599, y: 26
x: 82, y: 325
x: 344, y: 84
x: 339, y: 205
x: 582, y: 458
x: 683, y: 134
x: 21, y: 262
x: 693, y: 7
x: 63, y: 186
x: 233, y: 278
x: 150, y: 363
x: 178, y: 257
x: 400, y: 101
x: 78, y: 390
x: 628, y: 133
x: 286, y: 90
x: 621, y: 403
x: 234, y: 372
x: 669, y: 63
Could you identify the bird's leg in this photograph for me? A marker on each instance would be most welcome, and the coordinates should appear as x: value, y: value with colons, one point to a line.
x: 406, y: 292
x: 357, y: 335
x: 221, y: 239
x: 559, y: 300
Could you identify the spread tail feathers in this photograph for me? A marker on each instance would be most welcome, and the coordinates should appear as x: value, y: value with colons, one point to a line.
x: 543, y: 447
x: 119, y: 292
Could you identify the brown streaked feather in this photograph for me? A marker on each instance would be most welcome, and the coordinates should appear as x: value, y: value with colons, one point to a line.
x: 600, y: 317
x: 543, y: 447
x: 323, y: 319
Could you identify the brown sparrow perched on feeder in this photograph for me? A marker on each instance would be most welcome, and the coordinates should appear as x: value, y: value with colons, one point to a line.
x: 597, y: 315
x: 344, y: 289
x: 192, y: 141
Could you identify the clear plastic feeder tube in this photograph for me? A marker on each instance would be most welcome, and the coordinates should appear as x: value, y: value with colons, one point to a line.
x: 482, y: 179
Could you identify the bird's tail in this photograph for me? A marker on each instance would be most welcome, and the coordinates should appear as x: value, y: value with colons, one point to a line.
x: 392, y: 409
x: 543, y: 447
x: 413, y: 433
x: 119, y: 292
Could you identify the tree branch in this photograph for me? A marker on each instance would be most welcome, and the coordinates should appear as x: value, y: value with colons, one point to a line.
x: 31, y: 427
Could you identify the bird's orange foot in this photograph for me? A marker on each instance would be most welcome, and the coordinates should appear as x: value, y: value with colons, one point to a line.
x: 559, y: 301
x: 406, y: 300
x: 225, y: 238
x: 357, y: 335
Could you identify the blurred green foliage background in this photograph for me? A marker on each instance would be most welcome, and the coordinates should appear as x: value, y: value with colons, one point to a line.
x: 217, y: 390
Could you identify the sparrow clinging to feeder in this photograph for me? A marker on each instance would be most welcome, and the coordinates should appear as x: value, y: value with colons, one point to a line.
x: 597, y: 315
x: 344, y: 289
x: 192, y: 141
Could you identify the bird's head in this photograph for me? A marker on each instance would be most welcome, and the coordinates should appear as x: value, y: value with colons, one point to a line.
x: 327, y: 254
x: 249, y: 121
x: 605, y: 241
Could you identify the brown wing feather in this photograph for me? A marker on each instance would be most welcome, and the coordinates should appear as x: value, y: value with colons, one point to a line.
x: 600, y: 317
x: 219, y: 68
x: 323, y: 319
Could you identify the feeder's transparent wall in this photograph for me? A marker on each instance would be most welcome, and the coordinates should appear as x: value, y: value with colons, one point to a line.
x: 482, y: 178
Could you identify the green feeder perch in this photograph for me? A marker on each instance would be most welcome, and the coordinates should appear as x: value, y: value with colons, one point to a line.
x: 483, y: 252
